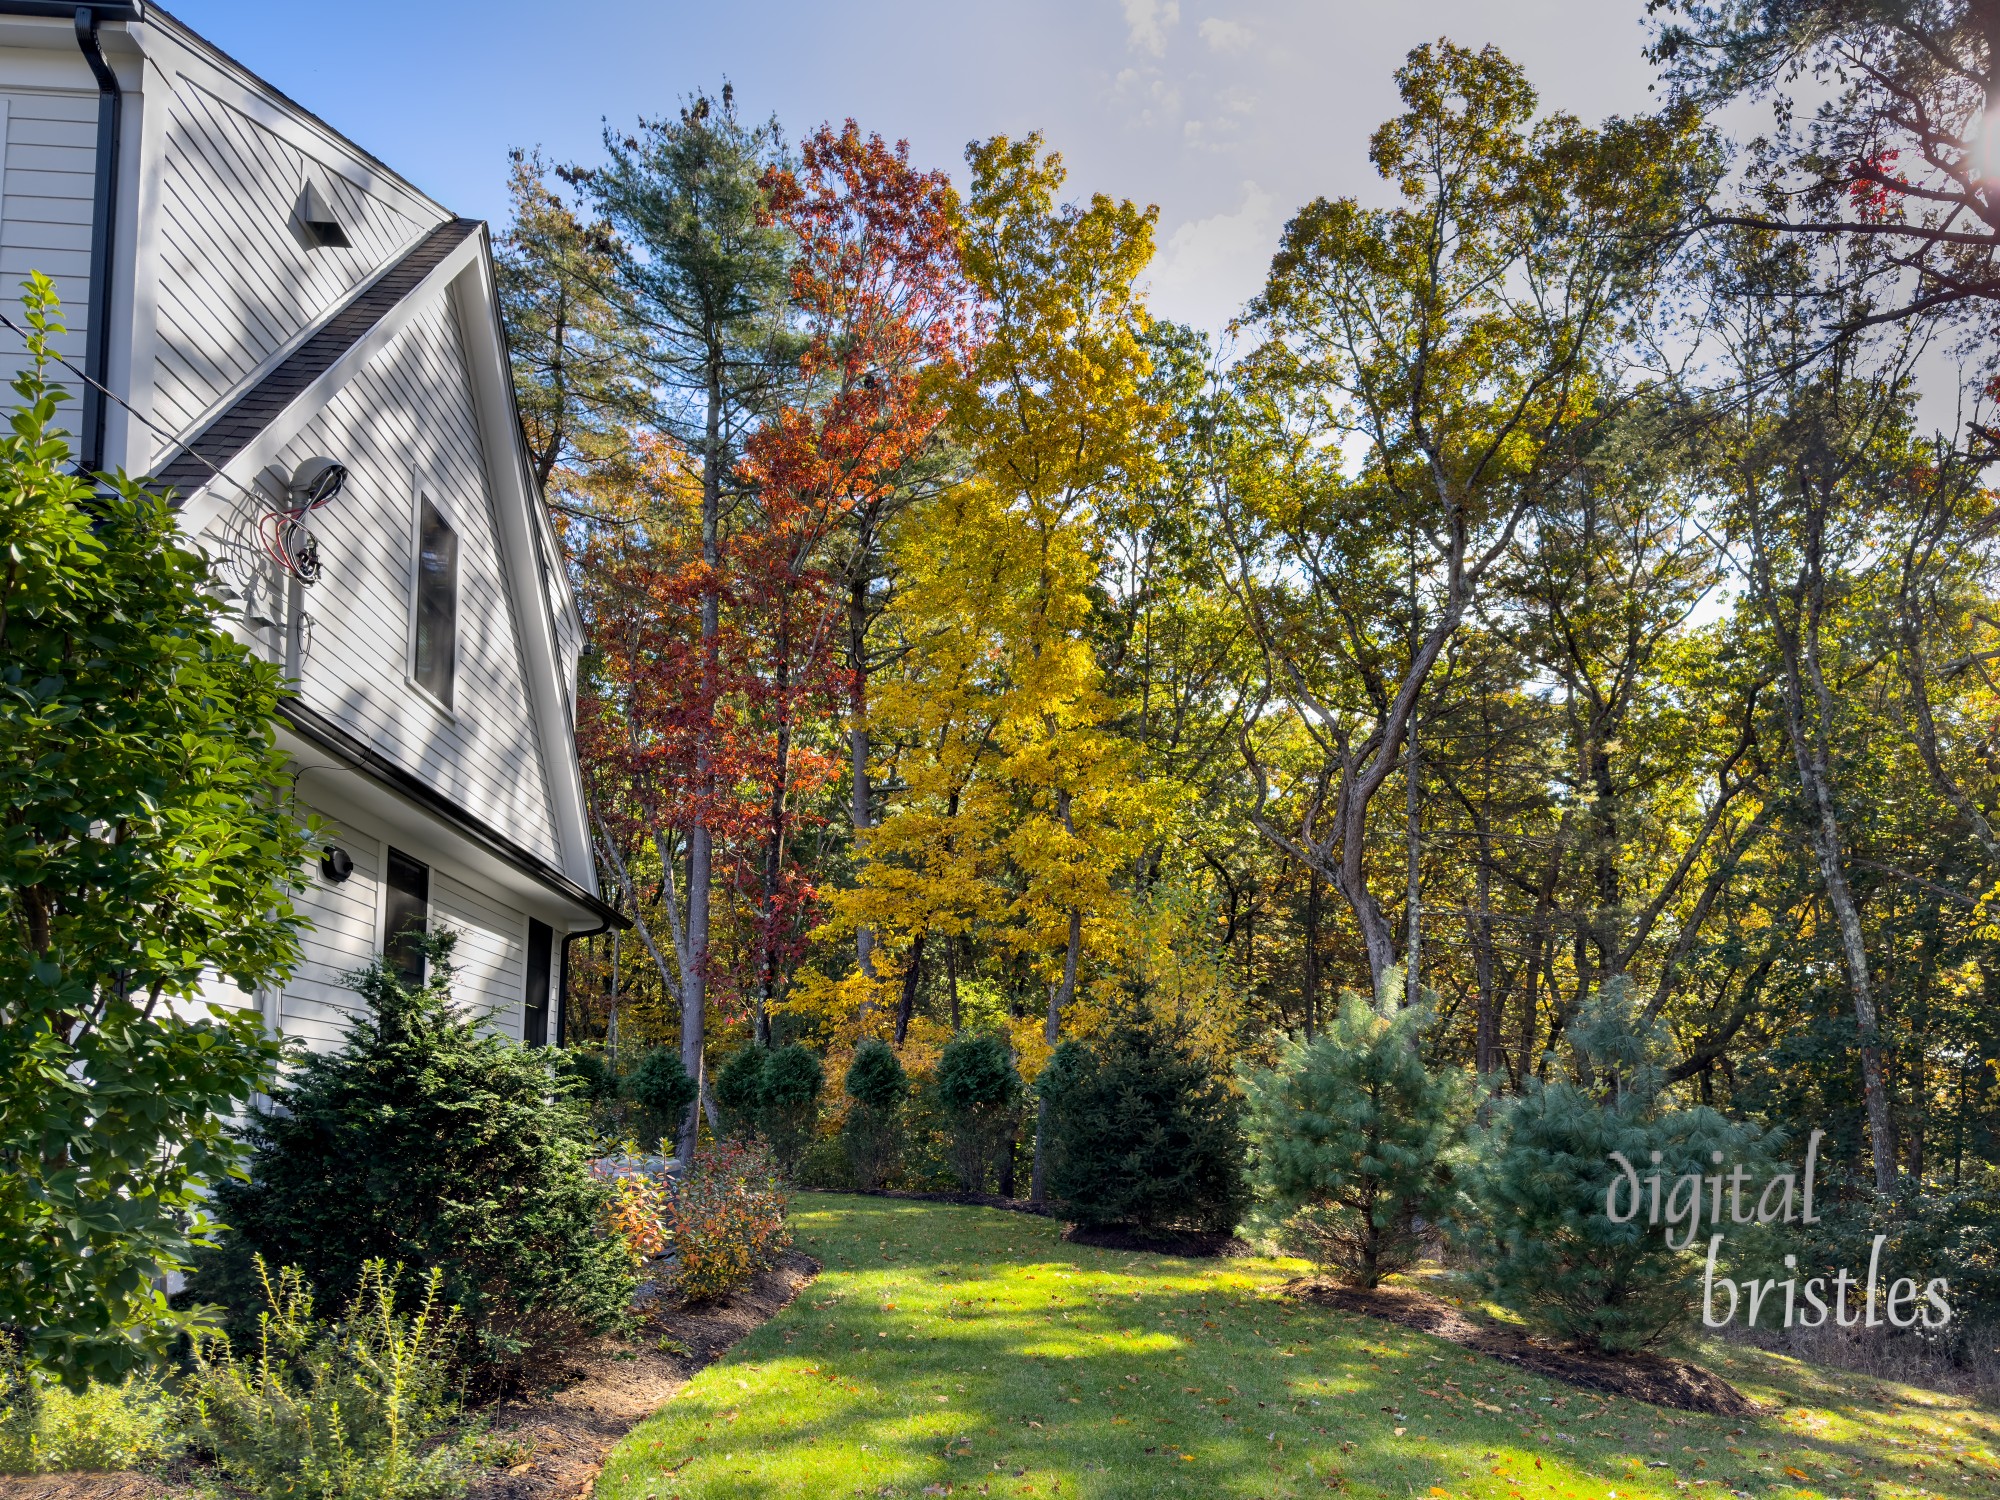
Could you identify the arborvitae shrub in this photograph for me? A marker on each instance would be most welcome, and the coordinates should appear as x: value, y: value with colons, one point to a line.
x: 979, y: 1093
x: 427, y: 1144
x: 662, y: 1090
x: 1537, y: 1225
x: 788, y: 1102
x: 872, y: 1131
x: 739, y: 1091
x: 1143, y: 1133
x: 1352, y: 1137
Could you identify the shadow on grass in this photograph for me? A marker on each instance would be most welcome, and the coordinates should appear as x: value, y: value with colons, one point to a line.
x: 969, y: 1351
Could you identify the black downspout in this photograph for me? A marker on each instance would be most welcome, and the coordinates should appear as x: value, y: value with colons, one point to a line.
x: 562, y: 983
x: 97, y: 352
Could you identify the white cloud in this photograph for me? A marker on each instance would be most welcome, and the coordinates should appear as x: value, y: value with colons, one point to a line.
x: 1226, y: 36
x: 1147, y: 23
x: 1210, y: 267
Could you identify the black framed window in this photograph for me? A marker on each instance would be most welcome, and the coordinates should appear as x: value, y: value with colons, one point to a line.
x: 435, y: 657
x: 406, y: 917
x: 535, y: 1005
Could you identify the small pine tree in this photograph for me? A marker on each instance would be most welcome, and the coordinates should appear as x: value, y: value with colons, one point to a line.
x: 739, y: 1091
x: 872, y: 1132
x: 1353, y: 1137
x: 979, y: 1092
x: 1541, y: 1173
x: 1143, y: 1133
x: 660, y: 1086
x: 426, y: 1143
x: 788, y: 1102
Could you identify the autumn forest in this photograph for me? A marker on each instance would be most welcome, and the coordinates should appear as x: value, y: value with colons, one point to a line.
x: 1559, y: 576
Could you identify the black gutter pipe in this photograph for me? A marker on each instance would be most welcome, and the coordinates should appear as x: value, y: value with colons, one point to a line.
x: 97, y: 352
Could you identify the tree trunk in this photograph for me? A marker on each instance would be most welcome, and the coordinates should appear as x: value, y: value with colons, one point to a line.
x: 694, y: 991
x: 859, y: 809
x: 1812, y: 755
x: 774, y: 851
x: 1312, y: 954
x: 1487, y: 1046
x: 1059, y: 997
x: 1413, y: 896
x: 912, y: 977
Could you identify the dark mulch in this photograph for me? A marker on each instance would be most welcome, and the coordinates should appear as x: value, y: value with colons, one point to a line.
x: 566, y: 1430
x: 1657, y: 1378
x: 563, y: 1430
x: 1191, y: 1244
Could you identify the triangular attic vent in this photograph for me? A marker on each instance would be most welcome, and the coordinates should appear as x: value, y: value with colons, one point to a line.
x: 318, y: 217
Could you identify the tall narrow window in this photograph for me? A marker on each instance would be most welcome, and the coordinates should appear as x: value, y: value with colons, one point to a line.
x: 406, y: 917
x: 436, y: 653
x: 535, y: 1007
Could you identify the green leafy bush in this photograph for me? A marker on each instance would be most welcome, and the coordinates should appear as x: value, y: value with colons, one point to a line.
x: 788, y: 1102
x: 662, y: 1090
x: 341, y: 1411
x: 726, y: 1220
x: 43, y: 1428
x: 873, y: 1129
x: 1353, y: 1138
x: 739, y: 1091
x: 979, y: 1094
x: 825, y: 1166
x: 1142, y: 1133
x: 425, y: 1143
x: 150, y: 847
x: 1540, y: 1174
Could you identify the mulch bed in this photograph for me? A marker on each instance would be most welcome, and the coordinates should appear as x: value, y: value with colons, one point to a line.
x: 1656, y: 1378
x: 563, y: 1430
x: 567, y: 1430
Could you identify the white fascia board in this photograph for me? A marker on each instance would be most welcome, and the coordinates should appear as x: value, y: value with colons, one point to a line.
x: 517, y: 506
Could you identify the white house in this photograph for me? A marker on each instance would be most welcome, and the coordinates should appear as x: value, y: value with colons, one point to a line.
x: 308, y: 350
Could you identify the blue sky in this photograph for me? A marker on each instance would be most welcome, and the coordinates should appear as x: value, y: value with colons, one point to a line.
x: 1227, y: 113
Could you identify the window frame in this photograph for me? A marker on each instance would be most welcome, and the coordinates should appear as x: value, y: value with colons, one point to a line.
x: 424, y: 491
x: 390, y: 891
x: 540, y: 934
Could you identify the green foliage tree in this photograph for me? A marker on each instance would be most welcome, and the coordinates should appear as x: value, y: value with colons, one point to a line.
x: 147, y: 848
x: 788, y: 1102
x: 426, y: 1143
x: 739, y: 1090
x: 872, y: 1131
x: 1542, y: 1173
x: 1353, y: 1139
x: 660, y: 1086
x: 979, y: 1091
x: 1143, y: 1132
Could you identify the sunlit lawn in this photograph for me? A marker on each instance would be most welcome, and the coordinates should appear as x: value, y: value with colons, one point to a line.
x: 969, y: 1351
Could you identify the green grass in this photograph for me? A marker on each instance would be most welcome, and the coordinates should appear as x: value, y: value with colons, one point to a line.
x: 971, y: 1352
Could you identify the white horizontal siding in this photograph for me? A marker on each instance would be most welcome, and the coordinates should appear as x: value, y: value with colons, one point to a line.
x: 47, y: 191
x: 491, y: 956
x: 316, y: 1005
x: 409, y: 413
x: 238, y: 282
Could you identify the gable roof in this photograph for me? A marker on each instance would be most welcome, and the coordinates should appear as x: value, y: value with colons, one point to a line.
x: 234, y: 428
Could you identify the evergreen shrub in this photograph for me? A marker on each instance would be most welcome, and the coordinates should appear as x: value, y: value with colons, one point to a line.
x: 788, y: 1102
x: 1353, y: 1139
x: 979, y: 1093
x: 1536, y: 1222
x: 425, y: 1143
x: 341, y: 1411
x: 739, y: 1091
x: 662, y: 1090
x: 1142, y: 1132
x: 872, y: 1132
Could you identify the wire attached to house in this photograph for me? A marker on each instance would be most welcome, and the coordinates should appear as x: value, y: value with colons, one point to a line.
x: 145, y: 421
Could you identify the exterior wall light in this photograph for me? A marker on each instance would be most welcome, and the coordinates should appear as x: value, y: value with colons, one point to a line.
x: 336, y: 864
